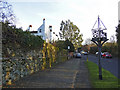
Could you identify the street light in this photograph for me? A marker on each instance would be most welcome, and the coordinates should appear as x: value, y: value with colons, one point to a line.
x: 99, y: 38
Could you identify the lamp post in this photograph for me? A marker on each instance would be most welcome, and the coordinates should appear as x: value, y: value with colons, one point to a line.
x: 99, y: 38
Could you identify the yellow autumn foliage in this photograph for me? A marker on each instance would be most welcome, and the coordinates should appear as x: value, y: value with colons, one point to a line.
x: 9, y: 82
x: 51, y: 54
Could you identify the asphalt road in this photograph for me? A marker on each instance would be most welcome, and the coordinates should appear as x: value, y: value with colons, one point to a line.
x: 110, y: 64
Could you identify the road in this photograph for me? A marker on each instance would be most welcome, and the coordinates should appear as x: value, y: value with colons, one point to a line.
x: 110, y: 64
x: 70, y: 74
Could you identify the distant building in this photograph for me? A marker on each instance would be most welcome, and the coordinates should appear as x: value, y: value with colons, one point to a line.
x: 40, y: 31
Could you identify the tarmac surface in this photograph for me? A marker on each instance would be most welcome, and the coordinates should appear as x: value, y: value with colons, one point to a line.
x: 70, y: 74
x: 110, y: 64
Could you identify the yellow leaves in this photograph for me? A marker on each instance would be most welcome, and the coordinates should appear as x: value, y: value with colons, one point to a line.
x: 47, y: 47
x: 35, y: 61
x: 7, y: 78
x: 7, y: 75
x: 32, y: 71
x: 44, y: 64
x: 51, y: 53
x: 13, y: 54
x: 30, y: 58
x: 27, y: 66
x: 9, y: 82
x: 43, y: 54
x: 43, y: 68
x: 53, y: 59
x: 50, y: 65
x: 36, y: 65
x: 50, y: 62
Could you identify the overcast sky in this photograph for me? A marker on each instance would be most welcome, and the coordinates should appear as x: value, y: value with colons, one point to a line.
x: 82, y: 13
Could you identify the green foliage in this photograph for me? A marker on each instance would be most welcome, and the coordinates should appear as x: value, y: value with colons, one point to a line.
x: 52, y: 55
x: 68, y: 43
x: 94, y: 49
x: 16, y: 38
x: 60, y: 44
x: 26, y: 54
x: 111, y: 48
x: 109, y: 80
x: 107, y: 47
x: 64, y: 45
x: 71, y: 32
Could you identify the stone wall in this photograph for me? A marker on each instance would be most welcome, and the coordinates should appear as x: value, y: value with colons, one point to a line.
x: 16, y: 67
x: 19, y: 64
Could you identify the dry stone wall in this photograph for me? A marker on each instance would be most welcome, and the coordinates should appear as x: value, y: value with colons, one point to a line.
x: 19, y: 64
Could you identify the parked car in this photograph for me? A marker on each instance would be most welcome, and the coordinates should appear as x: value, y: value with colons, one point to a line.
x: 106, y: 55
x: 97, y: 54
x: 78, y: 55
x: 74, y: 54
x: 82, y: 52
x: 85, y: 53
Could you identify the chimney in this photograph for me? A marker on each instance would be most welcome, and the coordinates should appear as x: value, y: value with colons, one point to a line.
x: 50, y: 28
x: 43, y: 20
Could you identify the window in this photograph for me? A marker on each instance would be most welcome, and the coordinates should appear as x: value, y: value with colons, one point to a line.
x: 40, y: 30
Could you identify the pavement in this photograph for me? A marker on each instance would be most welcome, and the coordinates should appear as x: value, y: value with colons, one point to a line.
x: 70, y: 74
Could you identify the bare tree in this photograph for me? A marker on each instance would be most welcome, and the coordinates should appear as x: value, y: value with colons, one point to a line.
x: 6, y: 13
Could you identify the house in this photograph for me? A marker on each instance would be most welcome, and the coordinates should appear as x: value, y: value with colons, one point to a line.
x: 40, y: 31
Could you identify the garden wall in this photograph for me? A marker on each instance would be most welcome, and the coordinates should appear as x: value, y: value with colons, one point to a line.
x: 20, y: 64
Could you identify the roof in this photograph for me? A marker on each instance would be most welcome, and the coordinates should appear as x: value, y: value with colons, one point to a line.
x: 33, y: 31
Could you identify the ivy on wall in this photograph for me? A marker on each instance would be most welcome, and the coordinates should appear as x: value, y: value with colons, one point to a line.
x: 24, y: 54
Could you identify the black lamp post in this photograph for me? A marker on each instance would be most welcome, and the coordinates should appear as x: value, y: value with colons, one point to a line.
x: 99, y: 38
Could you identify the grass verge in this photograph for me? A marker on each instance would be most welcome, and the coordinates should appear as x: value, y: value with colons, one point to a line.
x: 109, y: 80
